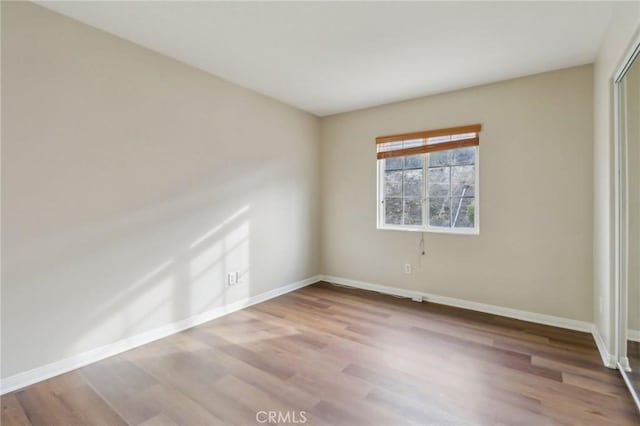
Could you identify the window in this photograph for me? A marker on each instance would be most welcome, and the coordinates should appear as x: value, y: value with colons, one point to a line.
x: 428, y: 181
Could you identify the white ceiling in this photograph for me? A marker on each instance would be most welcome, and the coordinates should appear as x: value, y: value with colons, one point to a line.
x: 327, y: 58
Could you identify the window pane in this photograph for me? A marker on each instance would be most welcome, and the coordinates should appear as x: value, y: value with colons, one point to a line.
x: 393, y: 211
x: 393, y: 184
x: 462, y: 190
x: 438, y: 189
x: 439, y: 212
x: 439, y: 158
x: 394, y: 163
x: 463, y: 174
x: 463, y: 181
x: 413, y: 211
x: 464, y: 156
x: 414, y: 183
x: 414, y: 162
x: 439, y: 175
x: 464, y: 212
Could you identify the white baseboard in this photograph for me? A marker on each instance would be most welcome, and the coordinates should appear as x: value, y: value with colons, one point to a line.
x: 374, y: 287
x: 561, y: 322
x: 633, y: 335
x: 608, y: 359
x: 623, y: 364
x: 56, y: 368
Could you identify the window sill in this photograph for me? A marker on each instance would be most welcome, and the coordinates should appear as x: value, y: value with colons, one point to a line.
x: 459, y: 231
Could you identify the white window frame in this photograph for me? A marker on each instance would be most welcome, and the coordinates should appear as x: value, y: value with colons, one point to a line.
x: 425, y: 227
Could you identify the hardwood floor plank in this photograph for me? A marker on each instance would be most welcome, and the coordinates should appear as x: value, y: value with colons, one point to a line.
x: 121, y: 384
x: 294, y: 396
x: 159, y: 420
x: 89, y: 407
x: 12, y: 412
x: 43, y: 407
x: 178, y: 407
x: 611, y: 389
x: 335, y: 415
x: 412, y: 410
x: 600, y: 373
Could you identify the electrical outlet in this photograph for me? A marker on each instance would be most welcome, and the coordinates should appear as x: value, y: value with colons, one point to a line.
x: 232, y: 278
x: 407, y: 268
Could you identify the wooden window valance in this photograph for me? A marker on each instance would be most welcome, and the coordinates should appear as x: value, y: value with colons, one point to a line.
x: 427, y: 141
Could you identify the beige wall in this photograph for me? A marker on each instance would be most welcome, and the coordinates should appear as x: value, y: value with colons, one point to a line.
x: 624, y: 22
x: 534, y: 250
x: 131, y: 184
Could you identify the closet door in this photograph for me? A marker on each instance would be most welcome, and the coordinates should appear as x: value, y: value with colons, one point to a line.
x: 629, y: 209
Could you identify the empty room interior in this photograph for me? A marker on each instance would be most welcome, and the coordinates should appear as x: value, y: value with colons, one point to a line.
x: 323, y: 213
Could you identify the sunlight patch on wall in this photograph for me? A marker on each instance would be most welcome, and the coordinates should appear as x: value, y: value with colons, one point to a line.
x: 219, y: 227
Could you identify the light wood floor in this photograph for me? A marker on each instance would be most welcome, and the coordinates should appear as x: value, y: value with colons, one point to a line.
x: 344, y: 357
